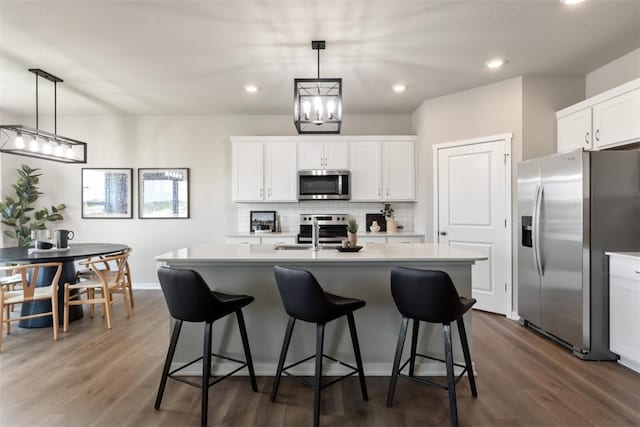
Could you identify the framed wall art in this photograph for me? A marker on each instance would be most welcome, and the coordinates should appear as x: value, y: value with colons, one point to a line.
x: 262, y: 221
x: 107, y: 193
x: 163, y: 193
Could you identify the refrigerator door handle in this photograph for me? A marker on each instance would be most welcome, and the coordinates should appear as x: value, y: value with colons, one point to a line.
x: 536, y: 229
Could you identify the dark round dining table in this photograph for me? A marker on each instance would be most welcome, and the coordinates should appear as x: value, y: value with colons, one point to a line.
x: 76, y: 251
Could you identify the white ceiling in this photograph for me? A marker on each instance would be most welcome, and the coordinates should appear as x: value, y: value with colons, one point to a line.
x: 194, y: 57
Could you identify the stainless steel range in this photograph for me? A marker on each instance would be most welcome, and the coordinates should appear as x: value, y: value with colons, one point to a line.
x: 332, y: 228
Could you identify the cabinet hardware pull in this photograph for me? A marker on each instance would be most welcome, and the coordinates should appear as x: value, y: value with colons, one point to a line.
x: 637, y: 272
x: 586, y: 138
x: 387, y: 192
x: 597, y: 134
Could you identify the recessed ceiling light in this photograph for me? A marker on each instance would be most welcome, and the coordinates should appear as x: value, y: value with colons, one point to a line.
x: 495, y: 63
x: 399, y: 87
x: 251, y: 88
x: 571, y: 2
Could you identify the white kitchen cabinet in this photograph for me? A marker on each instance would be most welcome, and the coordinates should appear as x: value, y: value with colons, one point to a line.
x: 624, y: 309
x: 280, y: 173
x: 404, y: 239
x: 278, y: 240
x: 382, y: 170
x: 398, y: 170
x: 371, y: 240
x: 247, y: 181
x: 617, y: 121
x: 610, y: 119
x: 263, y: 171
x: 366, y: 171
x: 574, y: 131
x: 241, y: 240
x: 323, y: 155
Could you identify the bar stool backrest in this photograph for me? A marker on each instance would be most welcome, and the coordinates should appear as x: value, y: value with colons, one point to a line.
x: 426, y: 295
x: 302, y: 295
x: 188, y: 296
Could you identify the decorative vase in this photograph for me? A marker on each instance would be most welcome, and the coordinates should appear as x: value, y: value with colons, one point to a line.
x: 374, y: 227
x: 392, y: 225
x: 353, y: 239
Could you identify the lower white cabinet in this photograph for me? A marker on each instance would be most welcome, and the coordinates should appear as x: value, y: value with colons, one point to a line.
x: 278, y: 240
x: 369, y: 239
x: 624, y: 309
x: 241, y: 240
x: 264, y: 240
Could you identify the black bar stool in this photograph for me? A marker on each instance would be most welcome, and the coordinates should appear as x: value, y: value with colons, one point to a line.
x: 304, y: 299
x: 190, y: 300
x: 430, y: 296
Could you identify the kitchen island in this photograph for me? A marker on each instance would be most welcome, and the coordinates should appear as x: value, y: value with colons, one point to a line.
x: 248, y: 269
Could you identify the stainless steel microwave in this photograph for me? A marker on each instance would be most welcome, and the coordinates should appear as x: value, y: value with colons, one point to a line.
x: 323, y: 185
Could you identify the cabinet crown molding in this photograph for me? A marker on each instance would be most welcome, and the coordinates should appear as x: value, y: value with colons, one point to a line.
x: 323, y: 138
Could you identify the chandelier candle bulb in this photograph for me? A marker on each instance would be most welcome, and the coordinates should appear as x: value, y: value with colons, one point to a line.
x: 34, y: 146
x: 19, y: 141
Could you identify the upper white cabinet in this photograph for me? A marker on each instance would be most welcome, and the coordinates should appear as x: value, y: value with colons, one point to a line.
x: 607, y: 120
x: 247, y: 181
x: 263, y: 171
x: 398, y: 170
x: 574, y: 131
x: 383, y: 170
x: 323, y: 155
x: 264, y: 168
x: 366, y: 171
x: 617, y: 121
x: 280, y: 174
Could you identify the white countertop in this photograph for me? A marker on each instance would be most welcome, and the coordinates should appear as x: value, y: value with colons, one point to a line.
x: 629, y: 255
x: 225, y: 253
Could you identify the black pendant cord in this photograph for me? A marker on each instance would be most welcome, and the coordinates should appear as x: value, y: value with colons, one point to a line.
x: 55, y: 108
x: 37, y: 127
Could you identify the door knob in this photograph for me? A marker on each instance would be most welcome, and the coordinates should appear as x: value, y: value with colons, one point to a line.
x: 443, y: 233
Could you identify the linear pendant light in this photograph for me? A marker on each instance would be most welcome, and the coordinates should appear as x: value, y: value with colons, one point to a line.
x: 317, y: 103
x: 26, y: 141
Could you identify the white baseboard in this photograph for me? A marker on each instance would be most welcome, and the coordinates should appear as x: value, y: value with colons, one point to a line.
x: 513, y: 316
x: 427, y: 368
x: 629, y: 364
x: 146, y: 285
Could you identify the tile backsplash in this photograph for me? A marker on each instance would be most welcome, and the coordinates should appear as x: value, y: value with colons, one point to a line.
x: 288, y: 214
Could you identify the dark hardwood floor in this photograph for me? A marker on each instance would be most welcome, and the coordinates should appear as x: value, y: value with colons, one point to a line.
x: 94, y: 377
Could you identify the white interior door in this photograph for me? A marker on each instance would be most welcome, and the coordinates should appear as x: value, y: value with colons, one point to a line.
x: 472, y: 186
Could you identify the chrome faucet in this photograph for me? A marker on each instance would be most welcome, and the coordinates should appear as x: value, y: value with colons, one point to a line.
x: 315, y: 238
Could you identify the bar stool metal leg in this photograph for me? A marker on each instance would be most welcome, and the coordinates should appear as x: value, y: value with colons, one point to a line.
x: 206, y: 373
x: 177, y: 325
x: 414, y: 345
x: 247, y: 350
x: 318, y: 379
x: 283, y: 357
x: 396, y: 361
x: 356, y: 351
x: 451, y: 380
x: 467, y: 356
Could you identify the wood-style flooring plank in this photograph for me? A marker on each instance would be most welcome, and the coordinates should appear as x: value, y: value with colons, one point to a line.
x: 95, y: 377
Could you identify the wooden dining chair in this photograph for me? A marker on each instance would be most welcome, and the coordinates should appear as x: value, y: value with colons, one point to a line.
x: 12, y: 281
x: 100, y: 289
x: 29, y: 274
x: 106, y: 267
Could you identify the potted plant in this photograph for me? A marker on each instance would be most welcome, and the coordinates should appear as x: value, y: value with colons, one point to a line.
x: 16, y: 210
x: 352, y: 230
x: 387, y: 211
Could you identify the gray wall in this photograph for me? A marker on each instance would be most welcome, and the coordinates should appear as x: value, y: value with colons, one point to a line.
x: 615, y: 73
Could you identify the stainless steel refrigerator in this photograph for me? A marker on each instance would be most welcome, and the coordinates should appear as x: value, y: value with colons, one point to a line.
x: 572, y: 207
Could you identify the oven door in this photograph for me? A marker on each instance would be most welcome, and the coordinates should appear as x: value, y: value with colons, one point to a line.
x: 323, y: 185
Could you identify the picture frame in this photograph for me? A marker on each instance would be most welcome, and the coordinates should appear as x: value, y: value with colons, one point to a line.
x: 163, y: 193
x: 107, y: 193
x: 262, y: 221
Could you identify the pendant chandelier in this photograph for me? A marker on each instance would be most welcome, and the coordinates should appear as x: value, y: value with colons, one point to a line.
x: 27, y: 141
x: 317, y: 103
